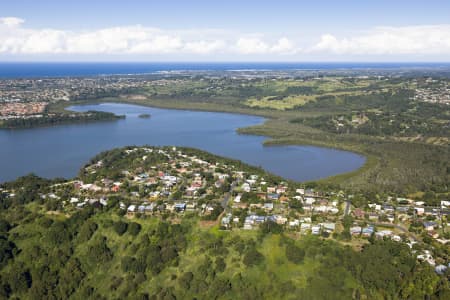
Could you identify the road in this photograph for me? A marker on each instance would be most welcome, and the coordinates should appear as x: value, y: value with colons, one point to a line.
x: 227, y: 196
x: 347, y: 208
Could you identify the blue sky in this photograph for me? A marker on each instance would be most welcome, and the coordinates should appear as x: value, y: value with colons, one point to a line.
x: 231, y: 30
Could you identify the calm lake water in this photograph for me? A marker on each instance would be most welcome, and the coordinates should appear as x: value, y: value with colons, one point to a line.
x: 61, y: 151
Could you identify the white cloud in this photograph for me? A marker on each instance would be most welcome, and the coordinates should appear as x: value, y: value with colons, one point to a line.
x: 135, y: 40
x: 255, y: 45
x: 116, y: 40
x: 45, y: 41
x: 284, y: 46
x: 157, y: 45
x: 411, y: 40
x: 11, y: 21
x: 251, y: 46
x: 205, y: 47
x: 414, y: 41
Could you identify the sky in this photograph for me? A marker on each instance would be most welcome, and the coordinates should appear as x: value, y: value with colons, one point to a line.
x: 210, y: 31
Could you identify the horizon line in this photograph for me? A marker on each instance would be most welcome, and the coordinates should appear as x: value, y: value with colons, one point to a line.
x: 231, y: 61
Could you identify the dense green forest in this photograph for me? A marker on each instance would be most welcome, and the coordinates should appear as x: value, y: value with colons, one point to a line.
x: 426, y: 120
x: 58, y: 119
x: 98, y: 253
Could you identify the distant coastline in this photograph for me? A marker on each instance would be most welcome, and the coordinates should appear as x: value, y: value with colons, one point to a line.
x: 80, y: 69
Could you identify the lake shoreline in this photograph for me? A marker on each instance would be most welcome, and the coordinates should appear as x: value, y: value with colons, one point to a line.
x: 135, y: 131
x: 230, y: 110
x: 370, y: 160
x: 268, y: 142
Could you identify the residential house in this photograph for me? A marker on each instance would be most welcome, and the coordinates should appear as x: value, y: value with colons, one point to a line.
x: 271, y: 189
x: 419, y: 210
x: 373, y: 216
x: 131, y: 210
x: 294, y: 223
x: 305, y: 227
x: 273, y: 196
x: 300, y: 191
x: 367, y: 231
x: 309, y: 200
x: 246, y: 187
x: 237, y: 199
x: 358, y: 213
x: 281, y: 220
x: 281, y: 189
x: 315, y: 229
x: 261, y: 195
x: 268, y: 206
x: 329, y: 227
x: 383, y: 233
x: 429, y: 226
x: 355, y: 230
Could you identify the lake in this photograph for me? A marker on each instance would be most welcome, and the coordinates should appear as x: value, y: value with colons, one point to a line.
x: 61, y: 151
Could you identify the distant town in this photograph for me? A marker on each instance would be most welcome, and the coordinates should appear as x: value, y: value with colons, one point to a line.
x: 434, y: 91
x: 22, y: 98
x: 26, y: 98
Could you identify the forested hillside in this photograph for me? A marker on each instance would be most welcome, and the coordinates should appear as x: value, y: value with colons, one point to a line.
x: 97, y: 252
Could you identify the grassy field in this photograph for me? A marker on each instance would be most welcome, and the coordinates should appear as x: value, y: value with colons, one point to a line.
x: 293, y: 101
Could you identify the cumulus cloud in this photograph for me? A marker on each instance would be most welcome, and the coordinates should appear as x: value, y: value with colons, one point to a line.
x: 132, y: 40
x: 18, y: 39
x: 390, y: 40
x: 251, y: 46
x: 11, y: 21
x: 115, y: 40
x: 284, y: 46
x: 156, y: 45
x: 205, y: 47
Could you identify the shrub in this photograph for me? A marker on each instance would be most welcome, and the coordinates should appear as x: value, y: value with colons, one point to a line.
x: 294, y: 254
x: 120, y: 227
x: 134, y: 228
x: 253, y: 257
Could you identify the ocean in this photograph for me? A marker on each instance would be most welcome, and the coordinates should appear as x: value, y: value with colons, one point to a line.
x: 72, y: 69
